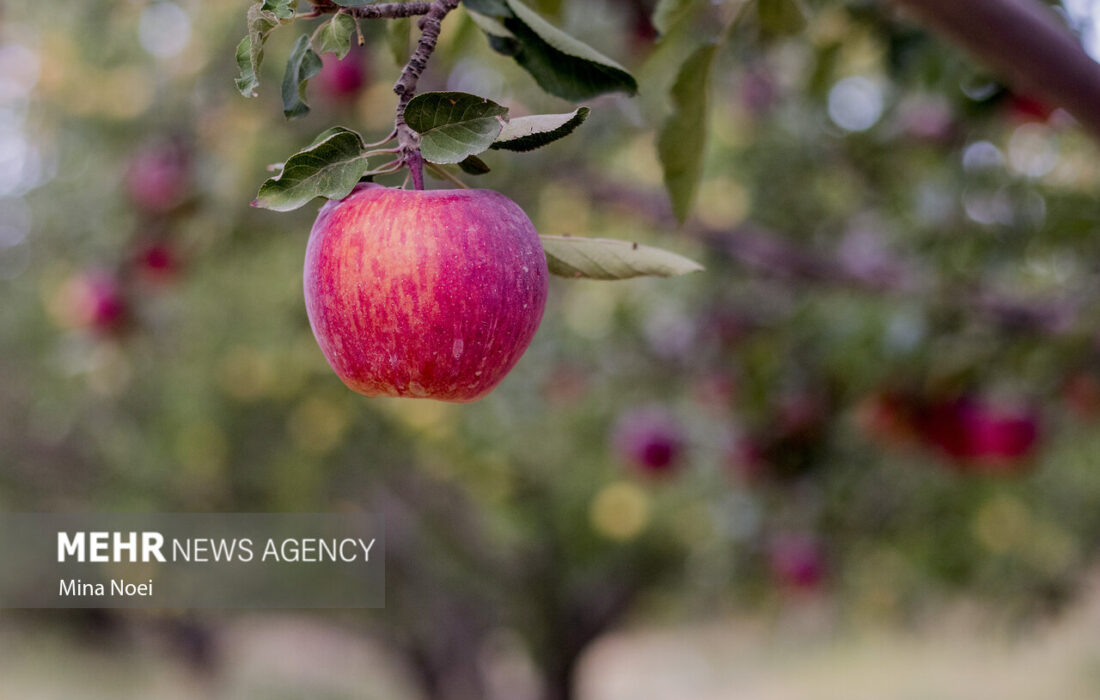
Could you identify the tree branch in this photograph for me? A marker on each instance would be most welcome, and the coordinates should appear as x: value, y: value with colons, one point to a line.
x: 405, y: 87
x: 391, y: 10
x: 771, y: 255
x: 1026, y: 43
x: 385, y: 10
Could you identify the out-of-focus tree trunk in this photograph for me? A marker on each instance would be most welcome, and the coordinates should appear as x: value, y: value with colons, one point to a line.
x: 1026, y: 43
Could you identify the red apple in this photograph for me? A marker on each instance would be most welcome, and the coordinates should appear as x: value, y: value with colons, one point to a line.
x: 342, y: 79
x: 650, y: 439
x: 427, y: 294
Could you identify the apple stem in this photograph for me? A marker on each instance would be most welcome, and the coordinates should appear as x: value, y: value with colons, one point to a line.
x: 405, y: 87
x: 415, y: 161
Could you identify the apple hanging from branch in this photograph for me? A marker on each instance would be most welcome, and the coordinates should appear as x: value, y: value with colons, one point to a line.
x: 426, y: 294
x: 433, y: 293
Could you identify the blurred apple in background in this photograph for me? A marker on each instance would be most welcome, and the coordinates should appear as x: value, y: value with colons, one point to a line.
x: 92, y: 300
x: 158, y: 178
x: 649, y: 439
x: 424, y: 294
x: 342, y: 79
x: 156, y: 261
x: 978, y: 435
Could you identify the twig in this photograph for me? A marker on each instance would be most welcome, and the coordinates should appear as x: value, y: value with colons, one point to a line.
x: 771, y: 255
x: 405, y: 87
x: 385, y: 10
x: 392, y: 135
x: 392, y: 10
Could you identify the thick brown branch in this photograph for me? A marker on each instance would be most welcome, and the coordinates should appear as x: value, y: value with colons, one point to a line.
x: 1026, y: 43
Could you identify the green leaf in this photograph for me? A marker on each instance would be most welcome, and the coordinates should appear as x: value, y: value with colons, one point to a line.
x: 328, y: 167
x: 681, y: 144
x: 302, y: 65
x: 334, y: 36
x: 529, y: 133
x: 453, y: 125
x: 247, y: 82
x: 473, y: 165
x: 493, y: 8
x: 261, y: 19
x: 397, y: 38
x: 781, y: 17
x: 283, y: 9
x: 669, y: 12
x: 560, y: 64
x: 609, y: 259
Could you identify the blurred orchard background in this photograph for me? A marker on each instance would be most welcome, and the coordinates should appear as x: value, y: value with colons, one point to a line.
x: 854, y: 458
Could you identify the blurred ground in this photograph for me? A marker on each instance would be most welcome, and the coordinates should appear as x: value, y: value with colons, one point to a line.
x: 800, y: 654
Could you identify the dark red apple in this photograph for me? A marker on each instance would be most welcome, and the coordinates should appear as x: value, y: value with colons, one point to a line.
x: 650, y: 439
x: 159, y: 177
x: 425, y: 294
x: 979, y: 435
x: 796, y: 561
x: 342, y: 79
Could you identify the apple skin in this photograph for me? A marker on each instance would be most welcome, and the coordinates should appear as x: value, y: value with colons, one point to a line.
x: 424, y: 294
